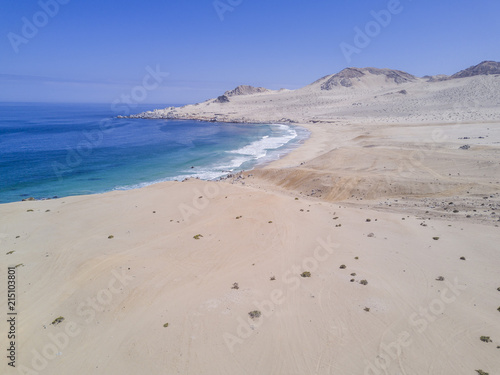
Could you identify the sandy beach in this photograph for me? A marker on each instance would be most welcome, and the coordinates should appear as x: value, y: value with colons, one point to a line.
x: 395, y: 220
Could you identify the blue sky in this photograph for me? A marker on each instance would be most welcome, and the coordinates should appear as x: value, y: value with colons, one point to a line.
x: 97, y: 51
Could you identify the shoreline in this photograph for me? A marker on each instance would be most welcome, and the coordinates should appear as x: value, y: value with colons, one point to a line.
x: 279, y: 175
x: 121, y: 265
x: 396, y: 224
x: 271, y: 155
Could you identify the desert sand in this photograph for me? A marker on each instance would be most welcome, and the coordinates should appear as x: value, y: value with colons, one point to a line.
x: 396, y: 221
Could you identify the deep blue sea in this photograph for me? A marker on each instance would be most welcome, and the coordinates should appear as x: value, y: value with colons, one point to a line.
x: 49, y: 150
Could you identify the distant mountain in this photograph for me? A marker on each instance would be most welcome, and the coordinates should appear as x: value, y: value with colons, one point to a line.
x: 436, y: 78
x: 360, y: 95
x: 349, y: 76
x: 484, y: 68
x: 245, y: 90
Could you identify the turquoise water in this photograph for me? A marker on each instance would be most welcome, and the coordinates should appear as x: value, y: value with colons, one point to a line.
x: 49, y: 150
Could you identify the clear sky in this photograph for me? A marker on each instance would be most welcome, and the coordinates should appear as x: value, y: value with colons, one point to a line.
x: 97, y: 51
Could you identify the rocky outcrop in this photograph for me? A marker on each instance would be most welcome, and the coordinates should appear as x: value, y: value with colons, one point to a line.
x: 222, y: 99
x: 436, y: 78
x: 484, y: 68
x: 245, y: 90
x: 348, y: 76
x: 343, y: 78
x: 396, y: 76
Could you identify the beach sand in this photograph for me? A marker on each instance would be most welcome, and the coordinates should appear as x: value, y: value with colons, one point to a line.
x: 397, y: 204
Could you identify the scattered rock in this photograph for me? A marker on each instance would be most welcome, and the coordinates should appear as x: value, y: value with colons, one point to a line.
x: 255, y: 314
x: 57, y: 320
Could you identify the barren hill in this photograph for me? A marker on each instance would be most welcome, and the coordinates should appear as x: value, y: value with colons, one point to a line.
x: 484, y: 68
x: 349, y: 76
x: 367, y: 95
x: 245, y: 90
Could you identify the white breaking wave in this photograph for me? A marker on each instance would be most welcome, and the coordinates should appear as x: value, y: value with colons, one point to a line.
x: 257, y: 150
x: 254, y: 151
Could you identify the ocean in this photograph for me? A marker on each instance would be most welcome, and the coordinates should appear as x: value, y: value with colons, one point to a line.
x: 57, y: 150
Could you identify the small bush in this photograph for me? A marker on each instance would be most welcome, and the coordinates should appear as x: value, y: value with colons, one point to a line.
x: 29, y: 210
x: 255, y: 314
x: 368, y: 220
x: 363, y: 282
x: 269, y: 222
x: 306, y: 274
x: 235, y: 286
x: 10, y: 252
x: 462, y: 258
x: 342, y: 267
x: 165, y: 325
x: 367, y: 309
x: 272, y: 278
x: 19, y: 265
x: 57, y: 320
x: 440, y: 278
x: 352, y: 280
x: 296, y: 199
x: 435, y: 238
x: 111, y: 236
x: 353, y: 274
x: 485, y: 339
x: 197, y: 237
x: 481, y: 372
x: 356, y: 258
